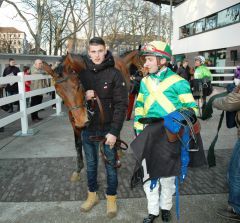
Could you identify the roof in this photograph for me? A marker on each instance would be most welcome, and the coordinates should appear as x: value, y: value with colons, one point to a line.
x: 166, y: 2
x: 9, y: 30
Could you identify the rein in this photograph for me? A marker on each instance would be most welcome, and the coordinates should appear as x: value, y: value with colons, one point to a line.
x: 59, y: 81
x: 100, y: 107
x: 117, y: 146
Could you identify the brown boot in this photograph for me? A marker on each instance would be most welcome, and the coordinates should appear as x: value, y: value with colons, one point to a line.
x: 91, y: 201
x: 111, y: 205
x: 75, y: 177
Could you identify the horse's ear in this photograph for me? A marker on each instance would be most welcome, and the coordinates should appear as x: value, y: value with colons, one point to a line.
x: 49, y: 70
x: 76, y: 63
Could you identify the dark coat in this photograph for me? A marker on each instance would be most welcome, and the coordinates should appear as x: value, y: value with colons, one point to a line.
x: 163, y: 159
x: 184, y: 72
x: 11, y: 70
x: 135, y: 79
x: 110, y: 87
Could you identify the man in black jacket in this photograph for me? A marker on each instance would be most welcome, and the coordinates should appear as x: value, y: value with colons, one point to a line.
x: 102, y: 79
x: 11, y: 89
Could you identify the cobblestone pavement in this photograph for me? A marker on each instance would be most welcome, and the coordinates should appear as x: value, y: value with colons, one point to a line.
x: 47, y: 179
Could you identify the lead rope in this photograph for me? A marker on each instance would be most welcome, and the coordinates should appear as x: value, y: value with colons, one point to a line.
x: 177, y: 199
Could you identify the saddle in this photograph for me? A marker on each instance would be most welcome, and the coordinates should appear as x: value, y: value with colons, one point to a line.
x: 189, y: 118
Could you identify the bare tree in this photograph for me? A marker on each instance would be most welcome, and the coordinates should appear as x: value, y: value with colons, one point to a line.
x: 38, y: 10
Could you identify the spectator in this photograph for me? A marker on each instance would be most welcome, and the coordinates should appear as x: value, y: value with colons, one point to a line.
x: 237, y: 76
x: 184, y: 70
x: 134, y: 89
x: 202, y: 80
x: 37, y: 84
x: 210, y: 64
x: 11, y: 89
x: 172, y: 65
x: 231, y: 103
x: 26, y: 71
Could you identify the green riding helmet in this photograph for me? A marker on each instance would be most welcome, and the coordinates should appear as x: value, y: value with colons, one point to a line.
x: 158, y: 49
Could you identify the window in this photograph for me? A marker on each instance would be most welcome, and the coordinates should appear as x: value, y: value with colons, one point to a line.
x: 200, y: 26
x: 229, y: 16
x: 211, y: 22
x: 225, y: 17
x: 183, y: 32
x: 191, y: 29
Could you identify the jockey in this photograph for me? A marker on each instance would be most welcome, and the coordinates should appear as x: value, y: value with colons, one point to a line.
x: 203, y: 74
x: 161, y: 92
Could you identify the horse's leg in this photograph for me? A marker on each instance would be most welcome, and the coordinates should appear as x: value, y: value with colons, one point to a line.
x: 78, y: 146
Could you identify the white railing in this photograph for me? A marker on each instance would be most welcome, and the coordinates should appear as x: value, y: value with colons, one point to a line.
x: 230, y: 75
x: 21, y: 97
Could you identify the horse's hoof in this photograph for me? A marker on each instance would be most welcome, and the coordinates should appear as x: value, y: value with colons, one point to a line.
x: 75, y: 176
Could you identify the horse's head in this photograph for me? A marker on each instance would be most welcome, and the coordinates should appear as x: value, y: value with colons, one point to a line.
x: 70, y: 89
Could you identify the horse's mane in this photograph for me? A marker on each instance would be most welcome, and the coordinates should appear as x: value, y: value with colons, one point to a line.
x: 125, y: 53
x: 60, y: 67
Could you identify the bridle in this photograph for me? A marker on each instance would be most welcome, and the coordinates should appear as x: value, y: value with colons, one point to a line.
x: 76, y: 107
x: 119, y: 145
x: 90, y: 110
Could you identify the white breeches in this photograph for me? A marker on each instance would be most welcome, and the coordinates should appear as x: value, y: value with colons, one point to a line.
x: 165, y: 200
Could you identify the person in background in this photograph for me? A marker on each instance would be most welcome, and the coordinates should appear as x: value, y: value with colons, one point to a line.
x: 11, y: 70
x: 237, y: 76
x: 26, y: 71
x: 184, y: 70
x: 37, y: 84
x: 172, y: 64
x: 134, y: 89
x: 202, y: 79
x: 231, y: 103
x: 210, y: 64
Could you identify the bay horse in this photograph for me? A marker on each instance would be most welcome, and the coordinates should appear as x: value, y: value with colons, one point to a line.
x: 122, y: 63
x: 70, y: 89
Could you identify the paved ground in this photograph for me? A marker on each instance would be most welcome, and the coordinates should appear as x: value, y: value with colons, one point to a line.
x: 35, y: 171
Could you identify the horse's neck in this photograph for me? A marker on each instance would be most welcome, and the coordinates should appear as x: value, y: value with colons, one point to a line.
x: 128, y: 58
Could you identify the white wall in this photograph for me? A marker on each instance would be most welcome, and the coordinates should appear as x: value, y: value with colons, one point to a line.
x: 193, y: 10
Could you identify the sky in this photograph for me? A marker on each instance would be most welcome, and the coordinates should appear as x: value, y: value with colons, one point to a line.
x: 8, y: 19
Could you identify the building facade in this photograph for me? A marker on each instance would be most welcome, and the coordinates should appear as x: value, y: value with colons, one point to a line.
x: 209, y: 28
x: 12, y: 40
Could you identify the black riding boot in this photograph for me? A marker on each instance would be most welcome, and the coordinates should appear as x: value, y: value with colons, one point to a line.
x: 166, y: 215
x: 150, y: 218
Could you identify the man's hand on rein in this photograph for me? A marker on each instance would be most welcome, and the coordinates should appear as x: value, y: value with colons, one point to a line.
x: 90, y: 95
x: 110, y: 140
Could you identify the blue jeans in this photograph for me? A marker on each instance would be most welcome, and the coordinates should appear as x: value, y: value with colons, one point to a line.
x: 92, y: 156
x: 234, y: 178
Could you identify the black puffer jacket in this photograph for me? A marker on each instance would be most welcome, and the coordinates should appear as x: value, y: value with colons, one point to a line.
x: 13, y: 70
x: 111, y: 88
